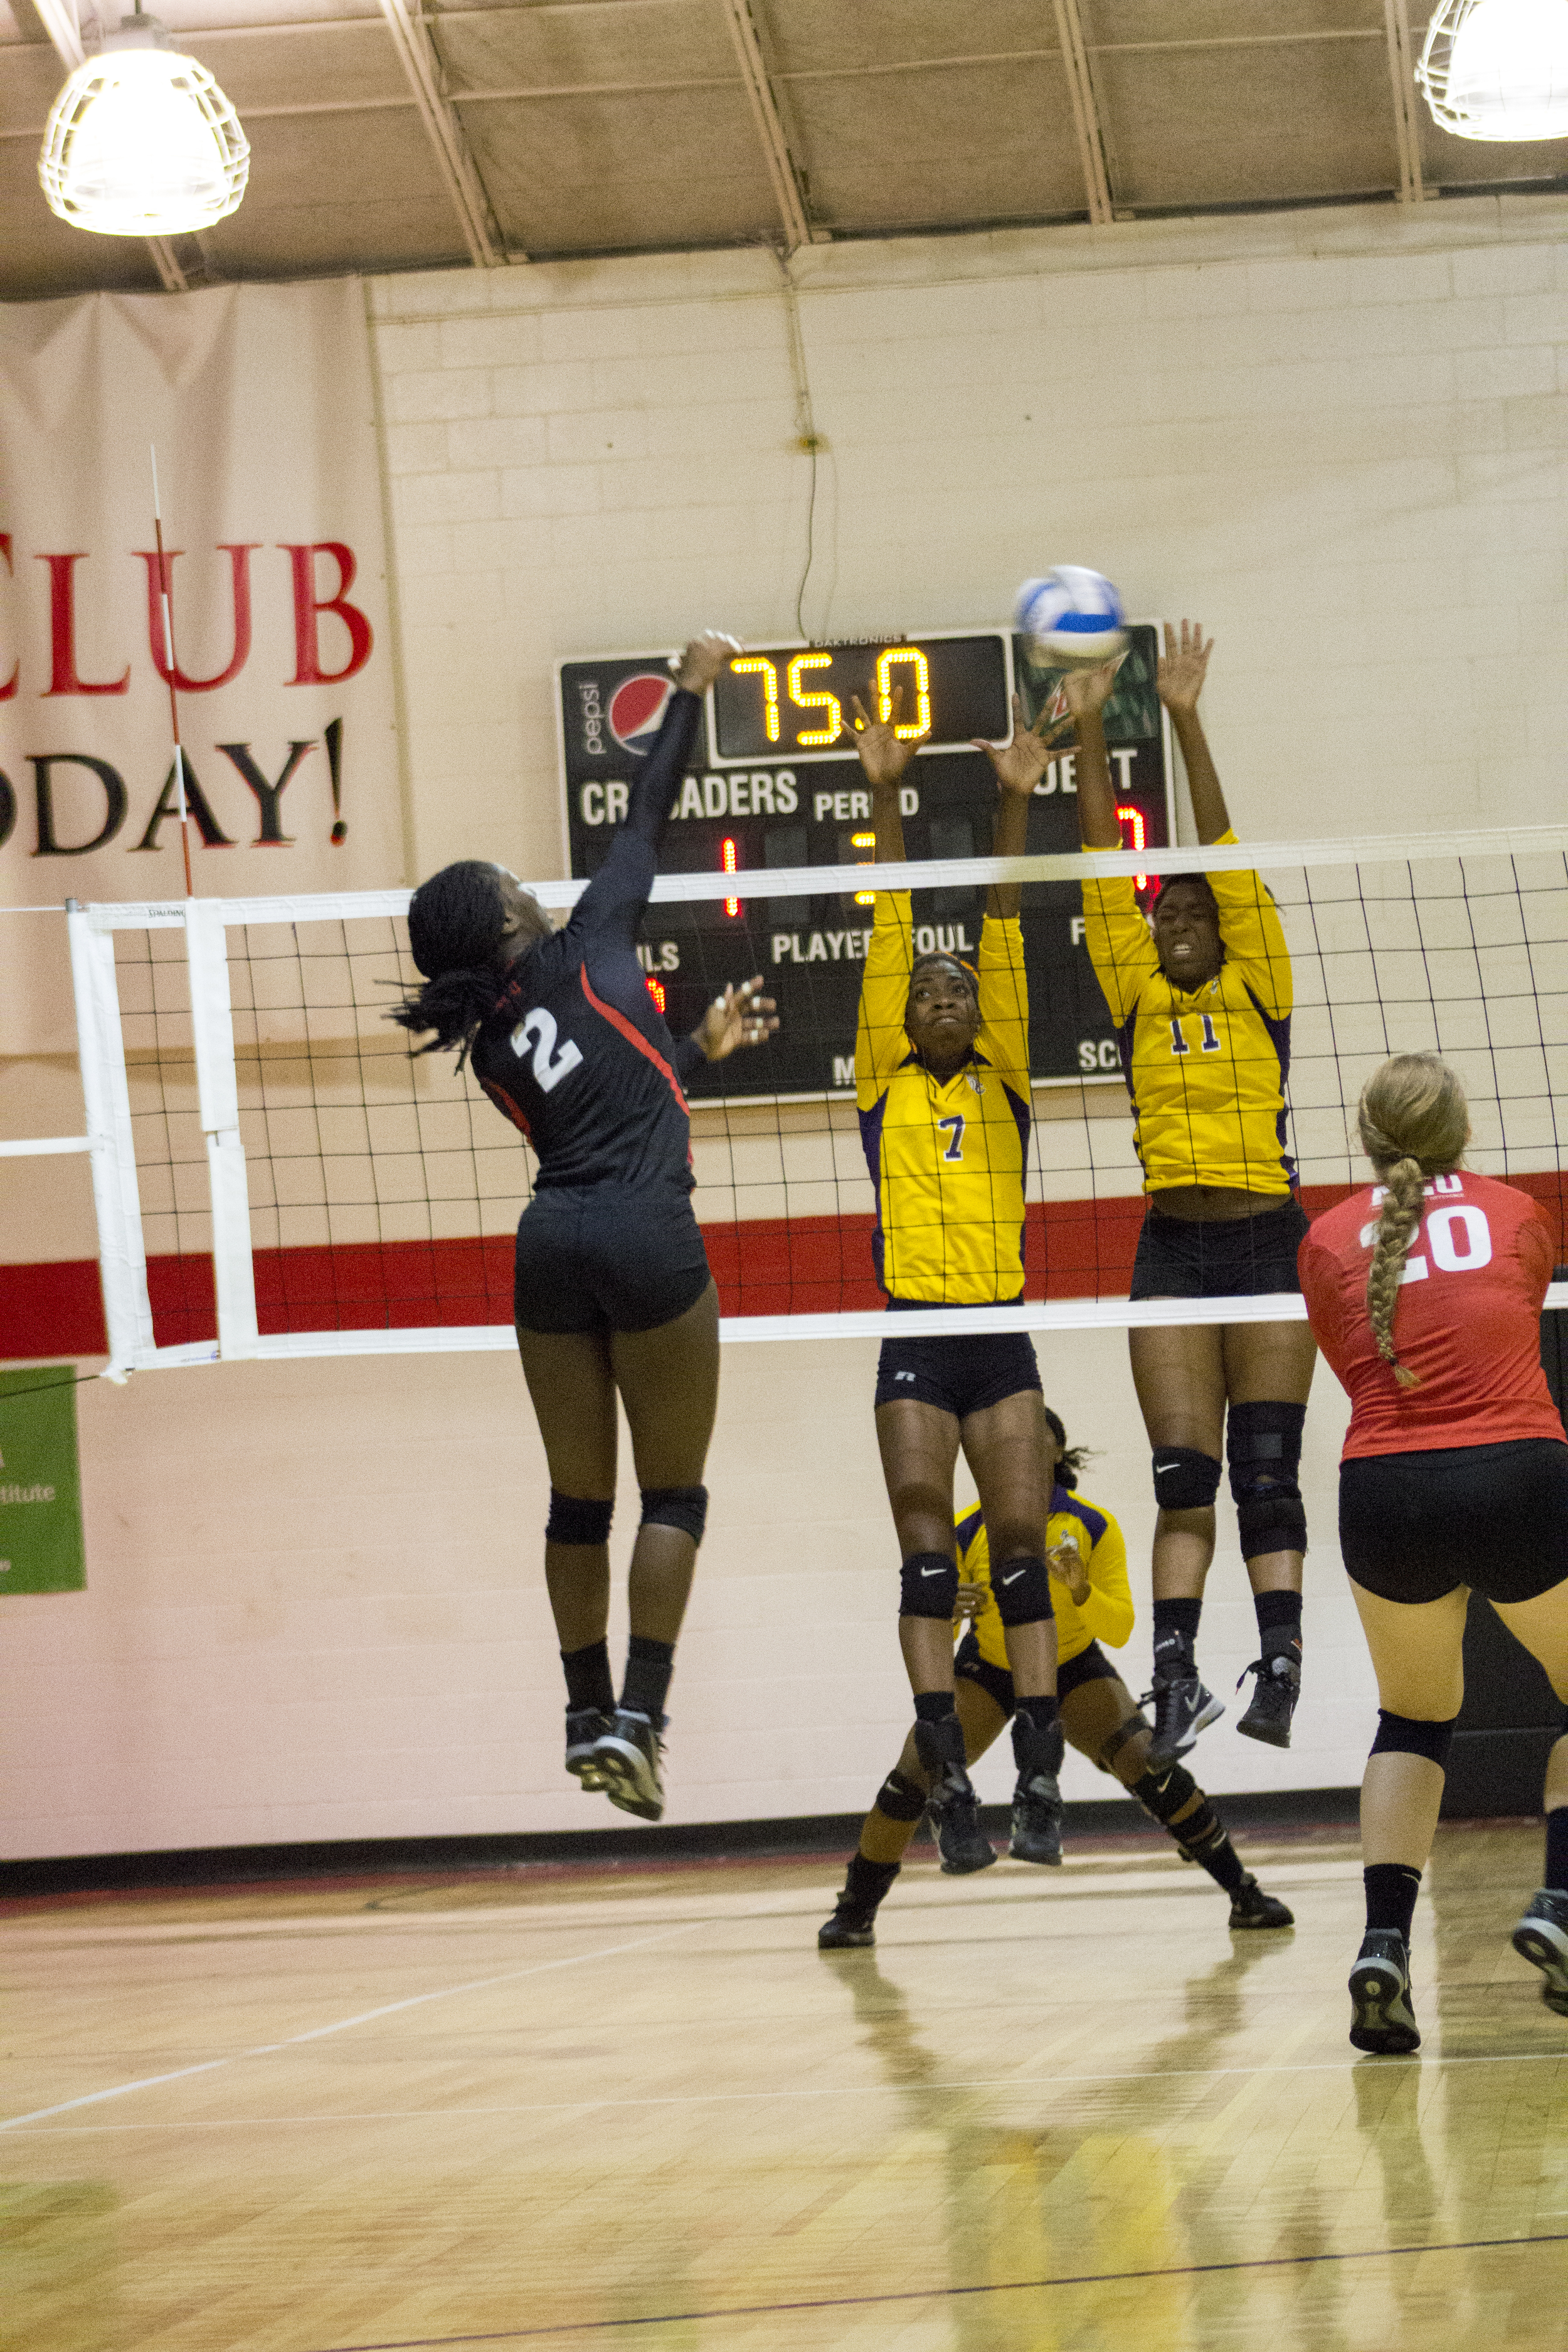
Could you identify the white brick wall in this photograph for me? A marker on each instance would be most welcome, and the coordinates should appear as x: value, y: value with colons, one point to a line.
x: 316, y: 1607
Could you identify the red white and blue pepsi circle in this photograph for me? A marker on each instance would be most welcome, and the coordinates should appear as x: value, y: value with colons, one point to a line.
x: 636, y: 709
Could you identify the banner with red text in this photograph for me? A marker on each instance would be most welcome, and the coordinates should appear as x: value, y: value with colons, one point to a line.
x: 259, y: 400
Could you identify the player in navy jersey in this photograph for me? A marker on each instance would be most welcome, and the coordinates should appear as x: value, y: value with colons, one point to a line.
x: 613, y: 1294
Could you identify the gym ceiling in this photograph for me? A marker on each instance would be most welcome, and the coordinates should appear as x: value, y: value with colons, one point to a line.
x: 403, y: 134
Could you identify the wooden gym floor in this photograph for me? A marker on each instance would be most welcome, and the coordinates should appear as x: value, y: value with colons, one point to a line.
x: 634, y: 2107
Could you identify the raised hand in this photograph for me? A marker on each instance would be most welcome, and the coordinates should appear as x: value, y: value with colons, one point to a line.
x: 1184, y: 665
x: 704, y: 657
x: 1020, y: 765
x: 1088, y: 690
x: 1067, y: 1565
x: 741, y: 1016
x: 884, y: 754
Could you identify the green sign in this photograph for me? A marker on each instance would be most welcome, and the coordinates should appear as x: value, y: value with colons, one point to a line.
x: 40, y: 1488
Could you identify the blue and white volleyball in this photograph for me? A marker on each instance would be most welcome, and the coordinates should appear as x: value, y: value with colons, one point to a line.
x: 1071, y: 618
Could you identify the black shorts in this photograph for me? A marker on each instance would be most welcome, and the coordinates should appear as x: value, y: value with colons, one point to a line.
x: 1090, y: 1666
x: 960, y: 1375
x: 1239, y: 1257
x: 609, y: 1258
x: 1415, y: 1525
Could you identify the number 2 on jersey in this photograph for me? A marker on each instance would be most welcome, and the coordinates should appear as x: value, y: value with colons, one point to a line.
x: 550, y: 1065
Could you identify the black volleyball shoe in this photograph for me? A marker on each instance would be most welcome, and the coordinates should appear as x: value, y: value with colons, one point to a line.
x: 585, y: 1725
x: 953, y: 1807
x: 1382, y: 2018
x: 852, y: 1929
x: 1274, y: 1696
x: 1541, y: 1938
x: 627, y: 1757
x: 1250, y: 1907
x: 1037, y: 1825
x: 1183, y: 1709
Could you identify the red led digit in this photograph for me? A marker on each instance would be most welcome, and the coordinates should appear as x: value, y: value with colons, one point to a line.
x: 730, y: 862
x: 1132, y: 818
x: 656, y: 989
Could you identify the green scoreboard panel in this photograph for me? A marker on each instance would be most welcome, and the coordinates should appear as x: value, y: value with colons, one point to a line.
x: 774, y: 783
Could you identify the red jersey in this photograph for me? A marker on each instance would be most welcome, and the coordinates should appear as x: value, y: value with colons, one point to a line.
x: 1468, y: 1321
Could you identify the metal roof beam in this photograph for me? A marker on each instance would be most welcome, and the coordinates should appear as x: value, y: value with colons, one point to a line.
x: 448, y: 143
x: 1406, y: 114
x: 1085, y: 113
x: 787, y: 191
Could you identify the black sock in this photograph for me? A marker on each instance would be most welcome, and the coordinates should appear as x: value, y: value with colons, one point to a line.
x: 867, y: 1882
x: 934, y: 1706
x: 1175, y: 1627
x: 1279, y: 1622
x: 1391, y: 1891
x: 650, y: 1666
x: 587, y: 1672
x: 1557, y: 1847
x: 1040, y: 1712
x: 1201, y: 1834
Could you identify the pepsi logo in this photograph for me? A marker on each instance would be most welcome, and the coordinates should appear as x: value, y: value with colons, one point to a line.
x: 637, y: 707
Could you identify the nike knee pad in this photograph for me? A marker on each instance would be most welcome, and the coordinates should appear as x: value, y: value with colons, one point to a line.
x: 1410, y: 1734
x: 928, y: 1586
x: 1023, y: 1589
x: 1263, y: 1441
x: 1165, y: 1799
x: 1184, y: 1479
x: 578, y: 1519
x: 902, y: 1800
x: 685, y: 1507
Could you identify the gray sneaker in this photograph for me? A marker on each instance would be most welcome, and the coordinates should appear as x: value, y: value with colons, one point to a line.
x: 1541, y: 1938
x: 1381, y: 2016
x: 626, y: 1758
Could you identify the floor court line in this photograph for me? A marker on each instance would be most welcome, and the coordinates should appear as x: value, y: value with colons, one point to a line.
x: 948, y: 2293
x: 344, y: 2025
x: 751, y: 2097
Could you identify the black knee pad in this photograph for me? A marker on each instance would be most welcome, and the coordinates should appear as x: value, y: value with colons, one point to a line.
x: 685, y: 1507
x: 1263, y: 1441
x: 1184, y: 1479
x: 1023, y: 1589
x: 1409, y: 1735
x: 902, y: 1800
x: 578, y: 1519
x: 1165, y: 1799
x: 928, y: 1586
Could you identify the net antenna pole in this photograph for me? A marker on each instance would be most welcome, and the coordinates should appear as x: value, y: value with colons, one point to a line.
x: 180, y: 803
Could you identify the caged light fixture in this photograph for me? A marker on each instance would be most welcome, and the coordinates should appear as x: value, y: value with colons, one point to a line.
x: 1498, y: 68
x: 141, y: 142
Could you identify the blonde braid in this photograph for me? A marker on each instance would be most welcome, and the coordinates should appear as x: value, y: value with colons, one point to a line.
x: 1396, y: 1229
x: 1414, y: 1124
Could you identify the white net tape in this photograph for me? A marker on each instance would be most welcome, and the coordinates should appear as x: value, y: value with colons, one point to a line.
x: 276, y: 1176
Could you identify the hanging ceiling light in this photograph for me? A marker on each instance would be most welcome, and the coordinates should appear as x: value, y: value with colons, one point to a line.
x: 1498, y: 68
x: 141, y: 142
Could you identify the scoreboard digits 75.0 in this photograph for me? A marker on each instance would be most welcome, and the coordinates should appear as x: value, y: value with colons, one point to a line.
x: 774, y: 783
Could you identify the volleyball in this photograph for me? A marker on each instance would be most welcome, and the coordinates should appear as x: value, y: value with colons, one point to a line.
x: 1071, y: 617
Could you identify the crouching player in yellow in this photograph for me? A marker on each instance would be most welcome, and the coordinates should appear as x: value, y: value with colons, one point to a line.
x: 1088, y: 1562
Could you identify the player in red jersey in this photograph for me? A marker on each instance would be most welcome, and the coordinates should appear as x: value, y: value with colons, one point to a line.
x: 1425, y: 1296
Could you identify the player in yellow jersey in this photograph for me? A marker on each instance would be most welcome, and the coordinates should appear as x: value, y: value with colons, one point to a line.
x: 1201, y: 995
x: 1089, y: 1567
x: 941, y: 1083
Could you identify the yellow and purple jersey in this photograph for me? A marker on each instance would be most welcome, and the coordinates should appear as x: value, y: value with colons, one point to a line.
x: 1205, y: 1066
x: 947, y: 1160
x: 1105, y: 1616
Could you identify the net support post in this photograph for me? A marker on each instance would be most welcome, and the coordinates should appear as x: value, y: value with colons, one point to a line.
x: 111, y: 1146
x: 217, y: 1102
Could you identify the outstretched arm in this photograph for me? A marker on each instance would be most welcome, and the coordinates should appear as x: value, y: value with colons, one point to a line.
x: 1018, y: 767
x: 653, y: 794
x: 884, y: 756
x: 1184, y: 665
x: 1087, y: 691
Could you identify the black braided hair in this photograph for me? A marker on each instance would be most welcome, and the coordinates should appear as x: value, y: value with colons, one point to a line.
x: 455, y: 925
x: 1069, y: 1460
x: 1199, y: 881
x: 953, y: 963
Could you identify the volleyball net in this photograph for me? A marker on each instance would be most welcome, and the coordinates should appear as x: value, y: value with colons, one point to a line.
x: 275, y: 1176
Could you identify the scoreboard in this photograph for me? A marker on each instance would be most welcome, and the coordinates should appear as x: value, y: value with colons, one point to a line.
x: 774, y: 783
